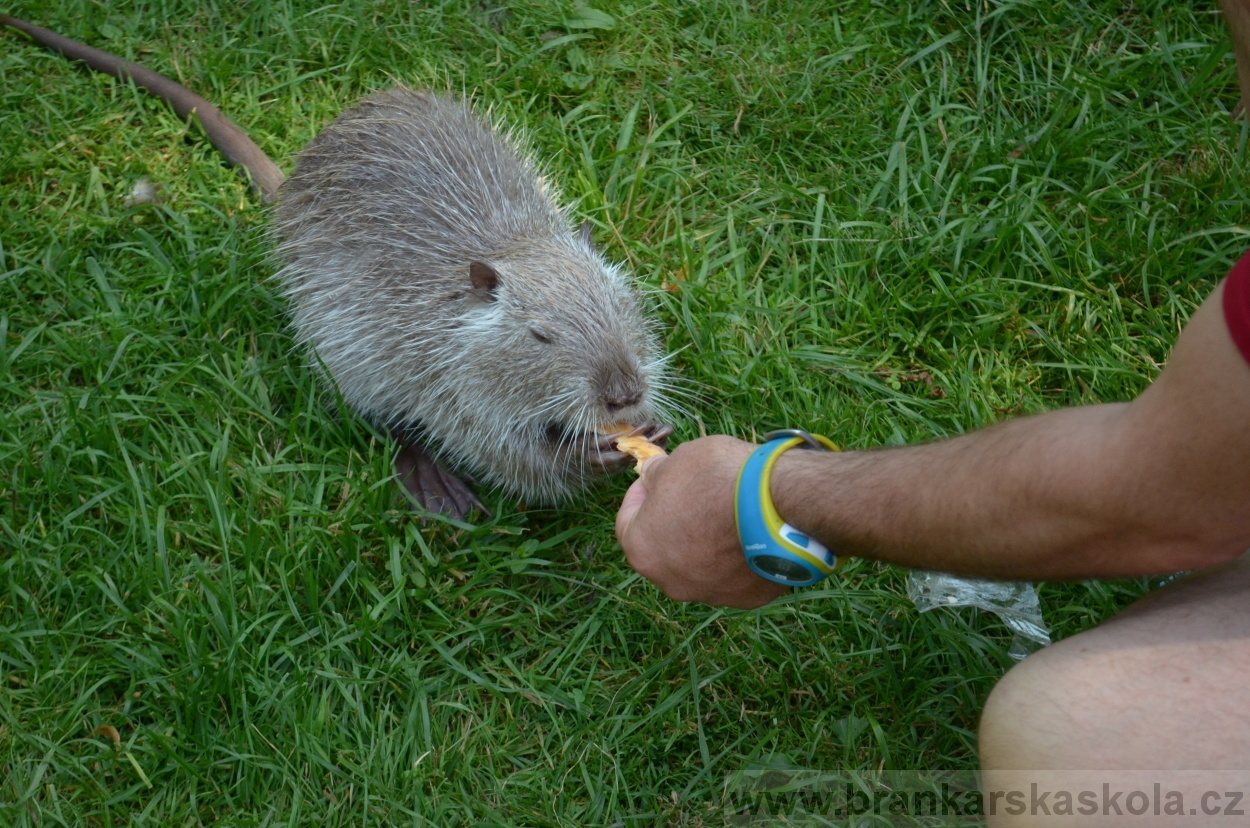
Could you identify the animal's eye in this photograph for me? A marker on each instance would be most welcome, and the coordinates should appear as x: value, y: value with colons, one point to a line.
x: 546, y: 340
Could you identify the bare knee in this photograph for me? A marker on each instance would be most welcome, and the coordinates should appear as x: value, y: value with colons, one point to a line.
x: 1162, y: 686
x: 1042, y: 710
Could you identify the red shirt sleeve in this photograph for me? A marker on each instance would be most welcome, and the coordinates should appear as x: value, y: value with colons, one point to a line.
x: 1237, y: 304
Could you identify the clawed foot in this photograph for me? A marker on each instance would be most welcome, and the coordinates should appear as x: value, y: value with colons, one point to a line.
x: 432, y: 487
x: 604, y: 455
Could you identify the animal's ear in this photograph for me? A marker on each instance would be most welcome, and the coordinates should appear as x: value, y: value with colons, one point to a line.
x: 485, y: 281
x: 584, y: 235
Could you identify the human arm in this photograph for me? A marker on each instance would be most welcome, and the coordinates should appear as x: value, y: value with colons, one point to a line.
x: 1156, y: 485
x: 1237, y: 16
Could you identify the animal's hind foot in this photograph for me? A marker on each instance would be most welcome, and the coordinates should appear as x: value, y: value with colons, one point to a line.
x: 432, y: 487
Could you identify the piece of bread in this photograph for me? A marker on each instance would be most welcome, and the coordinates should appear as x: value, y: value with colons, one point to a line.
x: 639, y: 448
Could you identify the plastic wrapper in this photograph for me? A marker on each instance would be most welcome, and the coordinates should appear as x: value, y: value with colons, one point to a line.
x: 1015, y: 602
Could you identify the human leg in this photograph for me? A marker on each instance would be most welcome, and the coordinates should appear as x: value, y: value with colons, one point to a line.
x: 1164, y: 686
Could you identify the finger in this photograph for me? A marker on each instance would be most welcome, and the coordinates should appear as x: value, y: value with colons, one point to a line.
x: 635, y: 496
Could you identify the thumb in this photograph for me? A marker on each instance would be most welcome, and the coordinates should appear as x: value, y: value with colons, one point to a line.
x: 649, y: 466
x: 635, y: 496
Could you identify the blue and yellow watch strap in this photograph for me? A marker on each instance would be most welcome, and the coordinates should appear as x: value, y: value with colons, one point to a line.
x: 774, y: 549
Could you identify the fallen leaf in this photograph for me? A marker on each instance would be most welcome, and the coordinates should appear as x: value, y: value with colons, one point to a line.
x: 111, y: 732
x: 586, y: 17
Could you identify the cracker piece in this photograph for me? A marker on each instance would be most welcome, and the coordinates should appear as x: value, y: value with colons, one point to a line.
x: 639, y: 448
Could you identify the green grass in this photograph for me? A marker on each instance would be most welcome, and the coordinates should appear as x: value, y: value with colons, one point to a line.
x: 885, y: 224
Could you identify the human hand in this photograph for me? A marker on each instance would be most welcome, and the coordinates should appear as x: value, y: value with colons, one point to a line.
x: 676, y: 525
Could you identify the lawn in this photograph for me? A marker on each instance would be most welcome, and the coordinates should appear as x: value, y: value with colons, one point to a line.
x: 885, y: 222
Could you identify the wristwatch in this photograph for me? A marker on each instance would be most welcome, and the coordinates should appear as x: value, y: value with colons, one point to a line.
x: 774, y: 549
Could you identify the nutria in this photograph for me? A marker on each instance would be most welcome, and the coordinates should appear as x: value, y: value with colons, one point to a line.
x: 439, y: 286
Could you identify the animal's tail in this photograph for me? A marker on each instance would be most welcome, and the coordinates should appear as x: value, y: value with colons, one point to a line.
x: 224, y: 134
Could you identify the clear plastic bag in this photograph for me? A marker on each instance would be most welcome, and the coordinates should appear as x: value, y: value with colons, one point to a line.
x: 1015, y: 602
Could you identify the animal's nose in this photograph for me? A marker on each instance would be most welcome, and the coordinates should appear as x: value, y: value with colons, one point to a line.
x: 616, y: 401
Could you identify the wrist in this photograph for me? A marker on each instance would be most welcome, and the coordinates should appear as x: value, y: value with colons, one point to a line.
x: 799, y: 484
x: 774, y: 548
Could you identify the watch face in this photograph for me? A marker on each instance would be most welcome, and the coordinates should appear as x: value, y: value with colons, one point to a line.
x: 783, y: 569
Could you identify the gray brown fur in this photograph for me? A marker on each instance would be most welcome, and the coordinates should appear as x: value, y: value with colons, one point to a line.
x: 377, y: 228
x: 434, y: 277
